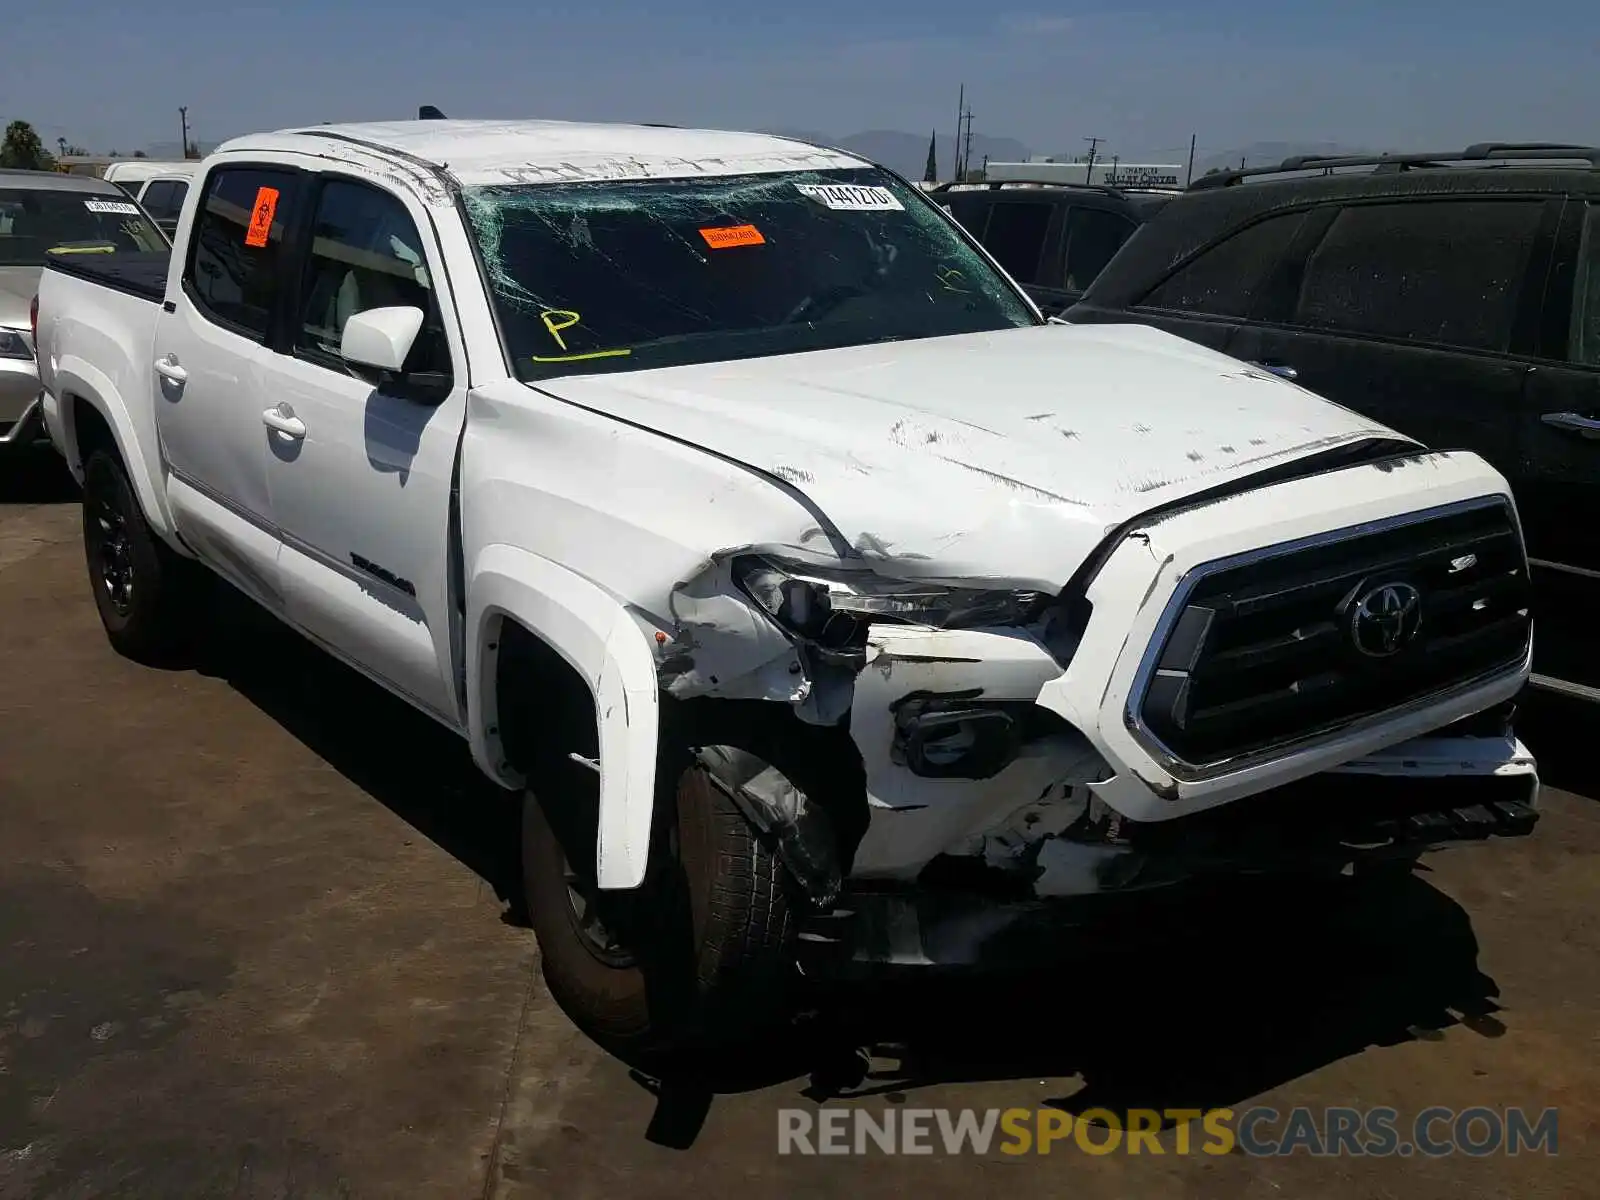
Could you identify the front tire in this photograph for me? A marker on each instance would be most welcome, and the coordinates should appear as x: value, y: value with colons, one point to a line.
x: 702, y: 954
x: 140, y: 586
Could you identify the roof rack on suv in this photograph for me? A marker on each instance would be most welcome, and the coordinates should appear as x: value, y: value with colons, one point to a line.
x: 996, y: 184
x: 1501, y: 153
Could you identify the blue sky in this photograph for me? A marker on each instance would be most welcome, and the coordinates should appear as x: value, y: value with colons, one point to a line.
x: 1143, y: 75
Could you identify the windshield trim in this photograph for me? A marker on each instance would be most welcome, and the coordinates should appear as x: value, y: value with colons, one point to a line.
x: 508, y: 356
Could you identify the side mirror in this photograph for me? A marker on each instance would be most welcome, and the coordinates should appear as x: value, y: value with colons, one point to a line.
x: 380, y: 338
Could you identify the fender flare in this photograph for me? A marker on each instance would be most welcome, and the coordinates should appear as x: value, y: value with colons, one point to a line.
x: 76, y: 379
x: 597, y: 637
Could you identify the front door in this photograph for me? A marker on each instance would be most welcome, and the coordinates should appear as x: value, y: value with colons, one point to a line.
x: 360, y: 469
x: 1207, y: 298
x: 1560, y: 436
x: 211, y: 360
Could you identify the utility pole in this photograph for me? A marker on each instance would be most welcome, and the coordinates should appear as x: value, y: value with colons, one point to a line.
x: 966, y: 152
x: 1189, y: 178
x: 183, y: 119
x: 1094, y: 144
x: 955, y: 149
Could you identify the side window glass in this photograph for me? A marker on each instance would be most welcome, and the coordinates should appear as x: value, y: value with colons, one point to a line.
x: 1584, y: 339
x: 366, y: 253
x: 236, y: 263
x: 1223, y: 280
x: 1093, y: 238
x: 157, y: 198
x: 1015, y: 236
x: 180, y: 193
x: 1447, y: 272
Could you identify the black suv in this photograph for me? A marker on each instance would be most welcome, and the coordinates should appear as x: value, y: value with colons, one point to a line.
x: 1053, y: 239
x: 1454, y: 297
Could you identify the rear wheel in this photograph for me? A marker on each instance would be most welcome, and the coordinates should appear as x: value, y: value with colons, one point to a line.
x: 140, y: 586
x: 701, y: 954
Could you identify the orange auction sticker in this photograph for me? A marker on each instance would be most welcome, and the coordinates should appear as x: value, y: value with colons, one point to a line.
x: 733, y: 235
x: 266, y: 206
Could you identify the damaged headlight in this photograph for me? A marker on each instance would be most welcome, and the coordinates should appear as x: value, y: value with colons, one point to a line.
x: 833, y: 607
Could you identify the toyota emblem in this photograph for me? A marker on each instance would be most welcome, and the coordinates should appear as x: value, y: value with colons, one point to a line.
x: 1384, y: 620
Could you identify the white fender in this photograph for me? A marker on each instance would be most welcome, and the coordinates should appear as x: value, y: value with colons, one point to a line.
x: 594, y: 633
x: 76, y: 377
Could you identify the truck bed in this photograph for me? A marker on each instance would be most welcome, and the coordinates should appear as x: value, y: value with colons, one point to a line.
x: 140, y: 274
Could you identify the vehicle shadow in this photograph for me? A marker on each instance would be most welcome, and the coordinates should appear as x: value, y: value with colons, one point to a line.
x: 1247, y: 989
x: 36, y: 475
x: 1560, y: 731
x: 1243, y: 993
x: 417, y: 769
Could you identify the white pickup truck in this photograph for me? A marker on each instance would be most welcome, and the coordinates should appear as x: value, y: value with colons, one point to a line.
x: 825, y: 604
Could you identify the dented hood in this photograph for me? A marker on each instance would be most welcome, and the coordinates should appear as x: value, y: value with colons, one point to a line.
x: 1004, y: 455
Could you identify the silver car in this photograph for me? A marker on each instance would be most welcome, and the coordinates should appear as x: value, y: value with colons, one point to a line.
x: 44, y: 213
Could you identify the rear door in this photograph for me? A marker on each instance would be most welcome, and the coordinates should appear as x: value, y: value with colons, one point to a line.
x: 211, y: 357
x: 1090, y: 238
x: 1019, y: 230
x: 1559, y: 494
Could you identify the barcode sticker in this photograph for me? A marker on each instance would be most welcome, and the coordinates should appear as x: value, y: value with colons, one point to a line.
x: 123, y: 208
x: 847, y: 197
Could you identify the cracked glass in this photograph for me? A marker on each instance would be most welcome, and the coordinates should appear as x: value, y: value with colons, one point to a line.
x: 608, y: 276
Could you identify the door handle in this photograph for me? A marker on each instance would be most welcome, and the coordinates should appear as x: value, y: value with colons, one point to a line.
x: 168, y: 368
x: 1281, y: 370
x: 1571, y: 422
x: 282, y: 420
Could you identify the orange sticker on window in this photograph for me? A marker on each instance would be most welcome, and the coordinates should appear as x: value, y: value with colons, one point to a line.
x: 266, y: 206
x: 733, y: 235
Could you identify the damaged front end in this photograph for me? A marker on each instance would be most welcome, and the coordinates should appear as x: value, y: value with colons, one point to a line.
x: 978, y: 801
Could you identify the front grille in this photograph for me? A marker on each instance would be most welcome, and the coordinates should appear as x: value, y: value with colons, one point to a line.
x: 1271, y: 651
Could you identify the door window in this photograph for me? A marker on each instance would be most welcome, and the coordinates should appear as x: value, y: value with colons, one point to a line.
x: 236, y: 262
x: 1584, y: 338
x: 366, y: 253
x: 163, y: 199
x: 1015, y: 236
x: 1093, y: 238
x: 157, y: 198
x: 1223, y: 281
x: 1447, y: 272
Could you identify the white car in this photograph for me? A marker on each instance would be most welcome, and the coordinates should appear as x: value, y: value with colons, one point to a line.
x: 814, y: 591
x: 46, y: 215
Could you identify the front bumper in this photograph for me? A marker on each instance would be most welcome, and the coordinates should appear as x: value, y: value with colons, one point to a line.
x: 1389, y: 807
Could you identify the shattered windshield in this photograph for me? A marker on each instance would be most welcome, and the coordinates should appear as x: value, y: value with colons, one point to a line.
x: 590, y: 277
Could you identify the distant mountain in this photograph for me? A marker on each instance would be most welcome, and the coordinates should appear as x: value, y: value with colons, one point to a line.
x: 173, y: 152
x: 907, y: 153
x: 1266, y: 154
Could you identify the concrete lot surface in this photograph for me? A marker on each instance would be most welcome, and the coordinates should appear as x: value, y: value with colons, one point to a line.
x: 256, y: 941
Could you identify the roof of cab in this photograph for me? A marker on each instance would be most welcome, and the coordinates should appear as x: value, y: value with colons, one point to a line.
x: 58, y: 181
x: 477, y: 153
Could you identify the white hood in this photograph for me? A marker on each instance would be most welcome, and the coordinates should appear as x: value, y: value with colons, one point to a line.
x: 1002, y: 455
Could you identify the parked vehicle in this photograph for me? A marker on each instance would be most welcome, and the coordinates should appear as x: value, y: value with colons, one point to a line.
x: 162, y: 196
x: 131, y: 174
x: 45, y: 215
x: 1454, y: 296
x: 721, y: 493
x: 1052, y: 238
